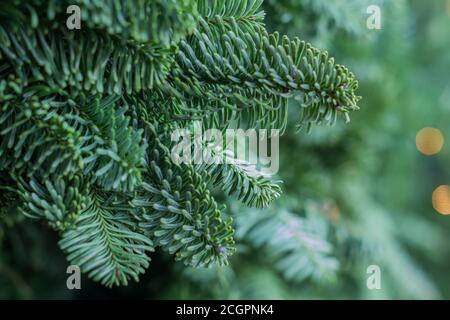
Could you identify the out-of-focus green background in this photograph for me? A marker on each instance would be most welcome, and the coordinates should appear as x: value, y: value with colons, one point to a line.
x: 355, y: 195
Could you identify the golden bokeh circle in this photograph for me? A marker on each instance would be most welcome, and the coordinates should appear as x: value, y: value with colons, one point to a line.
x: 441, y: 199
x: 429, y: 141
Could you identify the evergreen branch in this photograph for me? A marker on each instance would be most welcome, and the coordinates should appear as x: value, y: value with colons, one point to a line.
x: 56, y: 135
x: 106, y: 246
x: 86, y: 119
x: 217, y: 105
x: 246, y: 56
x: 180, y: 214
x: 156, y: 21
x: 89, y: 61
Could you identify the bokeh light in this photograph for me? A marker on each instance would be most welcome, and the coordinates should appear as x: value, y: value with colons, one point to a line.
x: 441, y: 199
x: 429, y: 141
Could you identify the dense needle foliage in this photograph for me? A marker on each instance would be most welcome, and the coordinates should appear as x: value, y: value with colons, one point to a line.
x: 85, y: 123
x: 87, y: 115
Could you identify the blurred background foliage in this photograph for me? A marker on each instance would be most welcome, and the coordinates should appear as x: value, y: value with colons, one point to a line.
x: 354, y: 195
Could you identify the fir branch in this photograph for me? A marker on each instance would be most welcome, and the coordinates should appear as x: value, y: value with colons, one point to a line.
x: 106, y: 246
x: 88, y: 61
x: 86, y: 118
x: 237, y: 55
x: 158, y: 21
x: 180, y: 214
